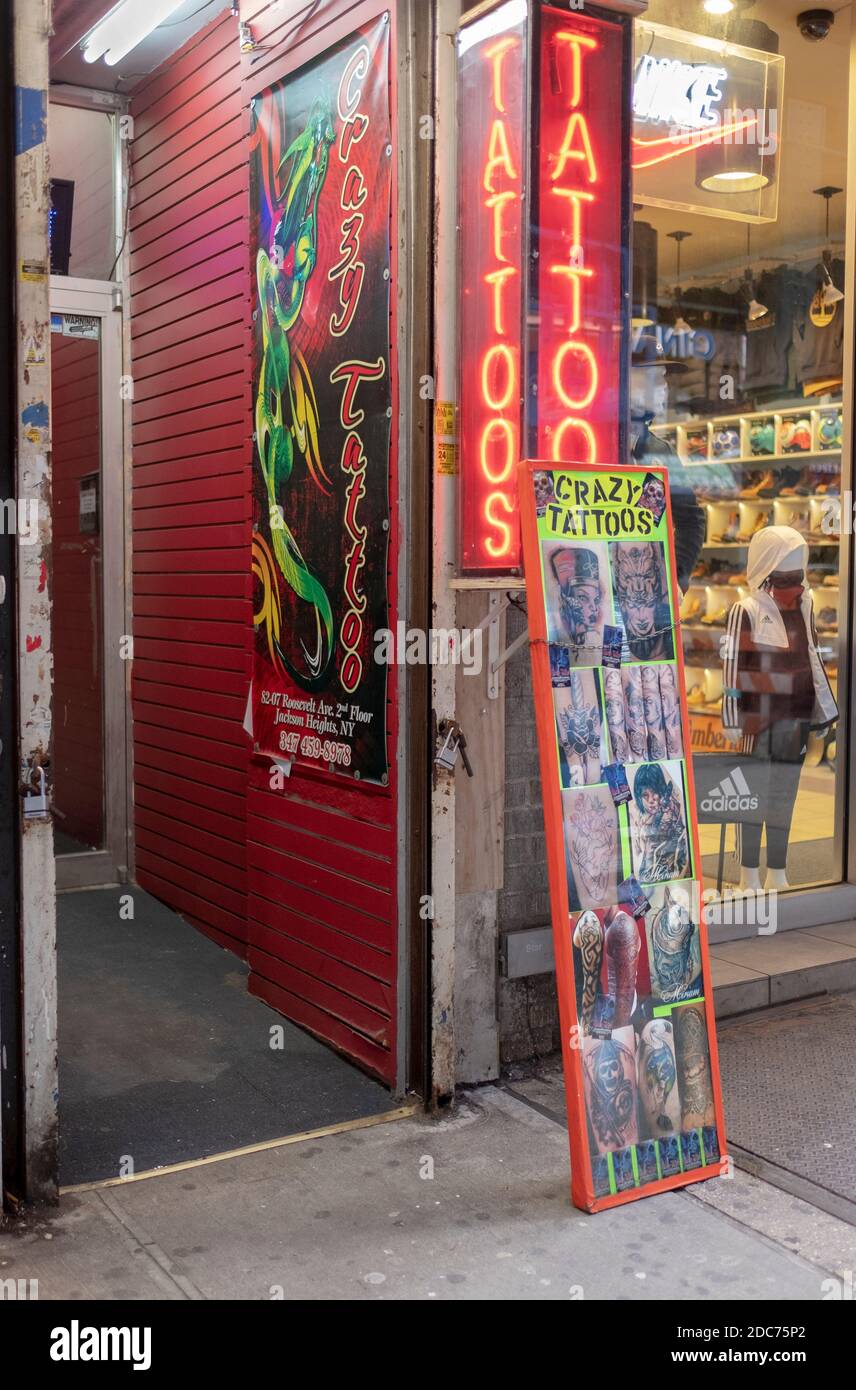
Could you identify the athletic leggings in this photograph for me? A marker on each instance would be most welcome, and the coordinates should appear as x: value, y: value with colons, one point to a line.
x: 781, y: 751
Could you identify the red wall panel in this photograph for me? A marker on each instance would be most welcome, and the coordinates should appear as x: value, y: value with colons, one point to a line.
x: 188, y: 239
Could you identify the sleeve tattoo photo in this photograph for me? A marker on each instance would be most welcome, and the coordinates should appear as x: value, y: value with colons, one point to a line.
x: 610, y: 1084
x: 622, y: 954
x: 591, y: 834
x: 671, y: 705
x: 653, y: 713
x: 694, y: 1079
x: 673, y: 953
x: 614, y: 700
x: 634, y: 714
x: 588, y: 939
x: 660, y: 1105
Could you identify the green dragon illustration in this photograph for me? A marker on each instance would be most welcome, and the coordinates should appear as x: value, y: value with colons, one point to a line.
x: 286, y: 411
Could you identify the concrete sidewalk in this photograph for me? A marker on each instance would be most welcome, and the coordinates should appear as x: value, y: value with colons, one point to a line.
x: 472, y: 1207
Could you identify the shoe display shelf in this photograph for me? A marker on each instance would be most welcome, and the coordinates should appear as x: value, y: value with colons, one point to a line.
x: 760, y: 437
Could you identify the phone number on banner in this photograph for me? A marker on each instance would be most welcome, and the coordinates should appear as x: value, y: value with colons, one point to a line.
x: 308, y: 746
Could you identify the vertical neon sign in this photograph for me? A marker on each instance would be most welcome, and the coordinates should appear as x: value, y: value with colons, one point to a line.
x: 570, y: 369
x: 490, y: 119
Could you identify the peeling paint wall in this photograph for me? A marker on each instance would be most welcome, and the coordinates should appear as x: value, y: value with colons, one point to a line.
x: 38, y: 929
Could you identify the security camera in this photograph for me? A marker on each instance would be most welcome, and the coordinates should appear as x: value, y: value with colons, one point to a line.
x: 815, y: 25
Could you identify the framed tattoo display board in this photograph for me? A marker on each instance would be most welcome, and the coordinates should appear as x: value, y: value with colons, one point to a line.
x: 633, y: 976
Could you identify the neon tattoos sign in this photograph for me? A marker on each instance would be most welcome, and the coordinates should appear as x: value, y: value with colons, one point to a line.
x: 491, y: 124
x: 548, y: 257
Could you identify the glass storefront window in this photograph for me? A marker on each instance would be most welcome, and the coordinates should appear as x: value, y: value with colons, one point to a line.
x: 738, y: 334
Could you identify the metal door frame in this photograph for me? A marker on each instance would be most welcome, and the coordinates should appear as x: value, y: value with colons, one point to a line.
x: 103, y: 300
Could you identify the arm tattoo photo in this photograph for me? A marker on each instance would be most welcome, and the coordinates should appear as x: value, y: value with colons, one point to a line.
x: 622, y: 954
x: 653, y: 713
x: 614, y: 699
x: 634, y: 713
x: 591, y: 829
x: 578, y: 725
x: 609, y: 1066
x: 671, y: 712
x: 588, y: 939
x: 694, y: 1078
x: 658, y: 1079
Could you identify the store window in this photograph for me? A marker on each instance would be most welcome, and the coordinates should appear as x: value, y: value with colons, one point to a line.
x: 738, y: 341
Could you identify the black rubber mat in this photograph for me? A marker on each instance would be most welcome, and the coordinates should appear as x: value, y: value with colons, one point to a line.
x: 163, y: 1054
x: 787, y: 1082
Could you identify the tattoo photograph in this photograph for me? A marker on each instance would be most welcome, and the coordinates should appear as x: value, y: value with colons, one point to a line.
x: 671, y: 705
x: 576, y: 581
x: 694, y: 1081
x: 622, y: 955
x: 634, y: 713
x: 674, y: 950
x: 613, y: 692
x: 588, y: 940
x: 658, y: 823
x: 653, y: 708
x: 657, y: 1071
x: 609, y: 1068
x: 641, y: 593
x: 593, y: 846
x: 579, y: 730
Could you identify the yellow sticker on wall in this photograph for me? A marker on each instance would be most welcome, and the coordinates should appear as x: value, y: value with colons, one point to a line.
x: 444, y: 417
x: 447, y: 458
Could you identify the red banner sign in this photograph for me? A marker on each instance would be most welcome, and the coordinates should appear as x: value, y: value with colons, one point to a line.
x: 321, y: 198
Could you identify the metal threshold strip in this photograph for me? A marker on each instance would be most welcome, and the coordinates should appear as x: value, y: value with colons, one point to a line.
x: 403, y: 1112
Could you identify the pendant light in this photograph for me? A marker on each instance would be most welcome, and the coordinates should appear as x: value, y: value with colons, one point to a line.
x: 756, y: 309
x: 830, y: 293
x: 681, y: 325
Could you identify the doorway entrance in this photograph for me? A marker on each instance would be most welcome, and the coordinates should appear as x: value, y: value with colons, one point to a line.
x: 90, y: 759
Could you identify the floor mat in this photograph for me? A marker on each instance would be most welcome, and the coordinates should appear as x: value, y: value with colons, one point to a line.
x: 787, y: 1084
x: 164, y: 1056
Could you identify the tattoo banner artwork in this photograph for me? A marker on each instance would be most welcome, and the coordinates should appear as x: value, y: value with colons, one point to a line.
x: 321, y: 189
x: 633, y: 974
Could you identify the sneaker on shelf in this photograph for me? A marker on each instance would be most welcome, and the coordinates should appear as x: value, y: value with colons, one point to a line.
x: 761, y: 520
x: 716, y: 619
x: 739, y: 578
x: 695, y: 696
x: 730, y: 534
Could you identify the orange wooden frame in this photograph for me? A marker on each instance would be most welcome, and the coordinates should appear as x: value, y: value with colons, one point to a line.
x: 582, y: 1183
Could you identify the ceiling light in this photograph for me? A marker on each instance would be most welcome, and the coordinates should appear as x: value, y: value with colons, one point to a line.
x: 124, y: 27
x: 734, y: 181
x: 718, y: 6
x: 756, y: 310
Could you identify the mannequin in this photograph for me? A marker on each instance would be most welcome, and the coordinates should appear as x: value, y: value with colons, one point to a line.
x: 775, y: 690
x: 648, y: 403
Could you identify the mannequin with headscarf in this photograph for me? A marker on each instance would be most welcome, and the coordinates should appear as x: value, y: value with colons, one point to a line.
x: 775, y: 690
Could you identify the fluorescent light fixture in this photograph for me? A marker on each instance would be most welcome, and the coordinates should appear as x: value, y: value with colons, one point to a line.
x: 718, y: 6
x: 498, y: 21
x: 124, y: 27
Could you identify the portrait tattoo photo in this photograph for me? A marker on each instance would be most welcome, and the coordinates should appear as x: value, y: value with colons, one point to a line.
x: 641, y: 591
x: 658, y: 822
x: 578, y: 601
